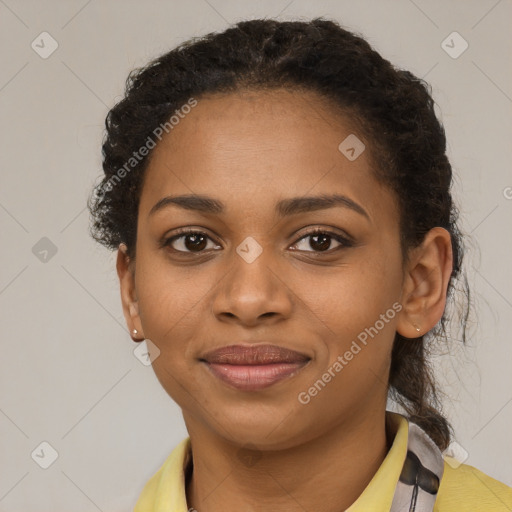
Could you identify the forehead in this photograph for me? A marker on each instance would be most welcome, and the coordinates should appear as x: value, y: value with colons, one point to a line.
x: 252, y: 148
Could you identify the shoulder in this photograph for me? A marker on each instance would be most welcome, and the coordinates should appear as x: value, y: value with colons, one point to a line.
x: 166, y: 488
x: 465, y: 488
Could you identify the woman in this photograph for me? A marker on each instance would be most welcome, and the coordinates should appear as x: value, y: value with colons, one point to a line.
x: 279, y: 195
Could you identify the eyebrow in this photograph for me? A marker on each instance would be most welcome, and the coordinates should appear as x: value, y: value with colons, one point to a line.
x: 284, y: 208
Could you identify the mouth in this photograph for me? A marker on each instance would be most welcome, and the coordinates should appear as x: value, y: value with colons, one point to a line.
x: 251, y: 368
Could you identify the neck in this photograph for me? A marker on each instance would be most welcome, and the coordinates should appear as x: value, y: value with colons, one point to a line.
x: 325, y: 474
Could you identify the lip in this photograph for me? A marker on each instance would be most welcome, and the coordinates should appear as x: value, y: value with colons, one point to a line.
x: 254, y: 367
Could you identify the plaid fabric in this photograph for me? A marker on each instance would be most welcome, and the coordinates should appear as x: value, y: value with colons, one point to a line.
x: 421, y: 474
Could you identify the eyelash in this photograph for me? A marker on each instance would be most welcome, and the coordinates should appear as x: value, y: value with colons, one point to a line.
x: 344, y: 241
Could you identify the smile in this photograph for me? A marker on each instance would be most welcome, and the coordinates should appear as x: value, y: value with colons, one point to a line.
x: 253, y: 377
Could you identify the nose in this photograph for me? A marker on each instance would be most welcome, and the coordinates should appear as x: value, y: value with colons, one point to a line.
x: 253, y: 292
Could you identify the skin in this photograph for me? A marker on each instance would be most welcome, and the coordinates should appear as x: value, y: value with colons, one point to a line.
x: 250, y: 150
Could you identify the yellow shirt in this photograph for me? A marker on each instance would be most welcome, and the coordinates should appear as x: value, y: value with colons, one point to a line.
x: 462, y: 488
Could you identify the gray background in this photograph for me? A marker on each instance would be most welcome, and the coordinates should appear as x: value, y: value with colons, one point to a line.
x: 67, y: 370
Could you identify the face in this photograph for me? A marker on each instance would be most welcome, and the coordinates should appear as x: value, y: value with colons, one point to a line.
x: 265, y: 267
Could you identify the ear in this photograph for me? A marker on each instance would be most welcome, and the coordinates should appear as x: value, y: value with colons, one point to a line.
x: 126, y: 273
x: 425, y: 284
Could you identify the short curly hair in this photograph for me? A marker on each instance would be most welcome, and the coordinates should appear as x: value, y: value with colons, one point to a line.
x: 391, y: 107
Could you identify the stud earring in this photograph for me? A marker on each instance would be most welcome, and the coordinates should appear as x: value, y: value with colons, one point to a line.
x: 135, y: 332
x: 416, y: 327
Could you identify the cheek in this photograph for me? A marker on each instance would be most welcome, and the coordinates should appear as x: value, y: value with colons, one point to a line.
x: 170, y: 305
x: 356, y: 312
x: 350, y: 300
x: 168, y: 296
x: 353, y: 364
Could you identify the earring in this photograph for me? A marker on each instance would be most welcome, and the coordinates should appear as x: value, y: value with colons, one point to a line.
x: 135, y: 332
x: 416, y: 327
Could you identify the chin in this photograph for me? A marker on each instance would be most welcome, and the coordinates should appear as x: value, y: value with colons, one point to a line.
x: 261, y: 428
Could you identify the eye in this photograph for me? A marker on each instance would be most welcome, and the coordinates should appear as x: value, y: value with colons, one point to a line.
x: 189, y: 241
x: 320, y: 241
x: 194, y: 241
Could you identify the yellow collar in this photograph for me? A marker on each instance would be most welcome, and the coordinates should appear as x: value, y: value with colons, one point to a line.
x: 165, y: 491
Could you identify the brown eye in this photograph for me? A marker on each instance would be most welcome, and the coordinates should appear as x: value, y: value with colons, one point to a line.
x: 189, y: 242
x: 321, y: 241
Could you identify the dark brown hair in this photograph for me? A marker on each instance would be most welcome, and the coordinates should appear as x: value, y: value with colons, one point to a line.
x: 392, y: 108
